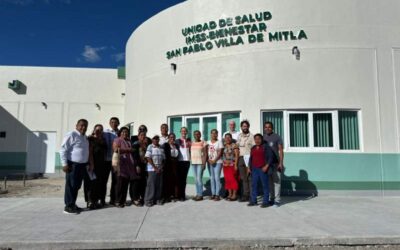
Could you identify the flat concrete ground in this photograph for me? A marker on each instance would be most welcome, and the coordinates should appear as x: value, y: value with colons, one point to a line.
x: 39, y: 223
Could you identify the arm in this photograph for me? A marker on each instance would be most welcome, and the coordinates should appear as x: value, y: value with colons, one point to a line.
x: 64, y: 150
x: 281, y: 155
x: 269, y: 154
x: 91, y: 158
x: 205, y: 156
x: 236, y: 151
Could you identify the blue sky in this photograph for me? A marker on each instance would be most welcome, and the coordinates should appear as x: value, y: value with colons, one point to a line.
x: 71, y: 33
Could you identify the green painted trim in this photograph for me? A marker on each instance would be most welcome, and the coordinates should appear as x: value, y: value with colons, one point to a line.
x: 121, y: 73
x: 327, y: 185
x: 58, y: 165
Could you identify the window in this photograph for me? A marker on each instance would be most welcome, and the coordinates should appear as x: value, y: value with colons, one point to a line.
x: 348, y: 130
x: 326, y: 130
x: 204, y: 123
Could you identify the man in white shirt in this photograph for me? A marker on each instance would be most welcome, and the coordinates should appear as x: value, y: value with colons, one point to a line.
x: 164, y: 134
x: 74, y: 154
x: 245, y: 142
x: 109, y: 135
x: 232, y: 131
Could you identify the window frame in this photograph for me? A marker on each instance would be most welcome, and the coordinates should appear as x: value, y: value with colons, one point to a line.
x: 201, y: 117
x: 311, y: 148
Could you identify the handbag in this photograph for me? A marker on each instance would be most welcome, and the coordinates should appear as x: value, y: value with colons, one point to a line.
x: 115, y: 161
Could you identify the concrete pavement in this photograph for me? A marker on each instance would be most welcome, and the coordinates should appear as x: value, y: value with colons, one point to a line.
x: 39, y: 223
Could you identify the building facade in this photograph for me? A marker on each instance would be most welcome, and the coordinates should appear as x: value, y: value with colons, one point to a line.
x: 325, y: 72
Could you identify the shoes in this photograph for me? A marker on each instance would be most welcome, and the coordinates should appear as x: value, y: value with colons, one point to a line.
x: 112, y: 203
x: 276, y: 204
x: 78, y: 209
x: 217, y: 198
x: 91, y: 206
x: 265, y: 205
x: 148, y: 204
x: 251, y: 204
x: 198, y: 198
x: 122, y: 205
x: 182, y: 199
x: 70, y: 210
x: 212, y: 197
x: 244, y: 199
x: 160, y: 202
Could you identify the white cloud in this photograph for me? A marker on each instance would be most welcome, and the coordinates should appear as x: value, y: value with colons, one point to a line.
x: 91, y: 54
x: 119, y: 57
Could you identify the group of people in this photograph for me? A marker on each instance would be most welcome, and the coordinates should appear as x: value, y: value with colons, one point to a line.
x: 155, y: 170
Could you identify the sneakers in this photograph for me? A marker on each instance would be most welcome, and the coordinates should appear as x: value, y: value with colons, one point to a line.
x: 70, y: 210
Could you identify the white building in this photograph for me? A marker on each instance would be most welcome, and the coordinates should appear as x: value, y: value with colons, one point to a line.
x: 327, y: 73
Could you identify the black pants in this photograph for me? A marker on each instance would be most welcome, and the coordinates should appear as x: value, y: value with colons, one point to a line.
x: 182, y: 172
x: 121, y: 190
x: 73, y: 182
x: 114, y: 179
x: 90, y: 188
x: 102, y: 173
x: 137, y: 189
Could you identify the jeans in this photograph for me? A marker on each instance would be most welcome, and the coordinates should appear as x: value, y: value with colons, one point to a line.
x: 73, y: 182
x: 275, y: 186
x: 258, y: 175
x: 198, y: 176
x: 215, y: 177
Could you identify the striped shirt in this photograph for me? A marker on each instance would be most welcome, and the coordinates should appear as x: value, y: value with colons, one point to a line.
x: 197, y: 152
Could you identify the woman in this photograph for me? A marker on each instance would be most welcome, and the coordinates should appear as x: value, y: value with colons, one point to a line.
x: 137, y: 190
x: 183, y: 162
x: 126, y: 171
x: 214, y: 155
x: 171, y: 150
x: 95, y: 180
x: 230, y: 159
x: 198, y: 160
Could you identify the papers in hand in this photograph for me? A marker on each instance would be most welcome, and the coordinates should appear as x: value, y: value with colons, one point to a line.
x: 246, y: 159
x: 92, y: 175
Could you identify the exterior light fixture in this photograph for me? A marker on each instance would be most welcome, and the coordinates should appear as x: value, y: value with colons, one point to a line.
x: 98, y: 106
x: 296, y: 52
x: 122, y: 94
x: 44, y: 105
x: 174, y: 67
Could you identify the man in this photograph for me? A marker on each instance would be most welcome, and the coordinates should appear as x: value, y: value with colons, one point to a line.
x: 164, y: 134
x: 245, y: 142
x: 74, y: 154
x: 109, y: 136
x: 232, y: 131
x: 276, y: 143
x: 142, y: 128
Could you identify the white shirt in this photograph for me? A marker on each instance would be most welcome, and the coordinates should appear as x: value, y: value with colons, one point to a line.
x: 235, y: 135
x: 75, y: 148
x: 213, y: 149
x: 163, y: 140
x: 184, y: 150
x: 109, y: 136
x: 157, y: 156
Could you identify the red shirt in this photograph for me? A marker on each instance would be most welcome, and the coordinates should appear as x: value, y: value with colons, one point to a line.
x: 258, y: 157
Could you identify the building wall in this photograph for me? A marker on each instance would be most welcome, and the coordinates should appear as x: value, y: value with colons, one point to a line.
x: 349, y: 61
x: 68, y: 93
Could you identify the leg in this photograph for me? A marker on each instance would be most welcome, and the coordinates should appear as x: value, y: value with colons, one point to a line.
x: 114, y: 180
x: 78, y: 176
x: 244, y: 179
x: 159, y: 187
x: 197, y: 169
x: 254, y: 182
x: 264, y: 181
x: 217, y: 177
x: 277, y: 185
x: 271, y: 187
x: 212, y: 178
x: 150, y: 189
x: 68, y: 194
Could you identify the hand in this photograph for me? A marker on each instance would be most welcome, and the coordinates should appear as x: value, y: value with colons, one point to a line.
x: 236, y: 168
x: 66, y: 169
x: 280, y: 167
x: 138, y: 170
x: 91, y: 167
x: 265, y: 169
x: 248, y: 170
